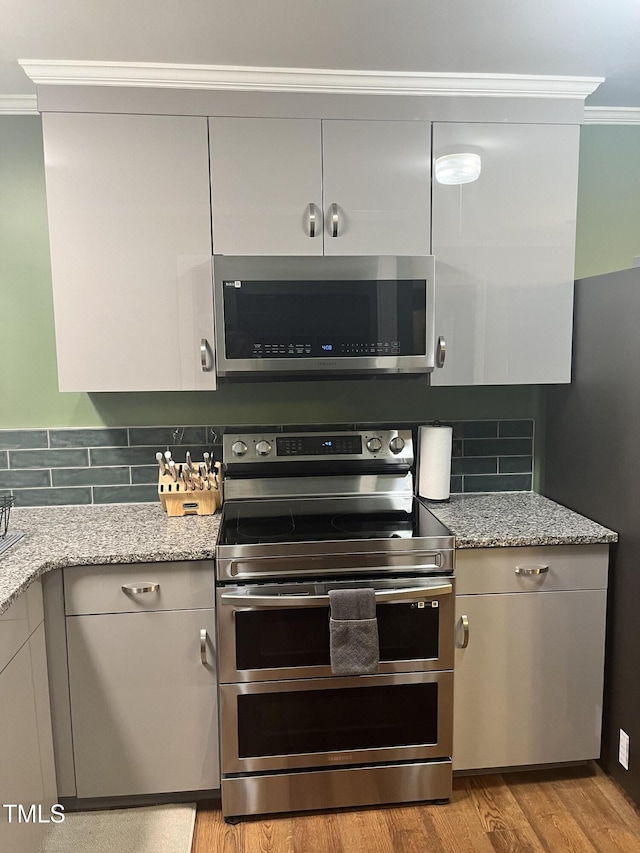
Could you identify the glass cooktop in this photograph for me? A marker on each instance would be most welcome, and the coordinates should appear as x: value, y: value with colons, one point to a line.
x: 257, y: 522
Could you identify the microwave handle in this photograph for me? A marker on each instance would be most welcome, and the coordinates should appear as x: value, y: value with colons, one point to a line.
x: 281, y: 601
x: 441, y: 351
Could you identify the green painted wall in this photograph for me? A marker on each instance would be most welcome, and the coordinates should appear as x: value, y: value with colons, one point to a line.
x: 608, y: 228
x: 608, y: 237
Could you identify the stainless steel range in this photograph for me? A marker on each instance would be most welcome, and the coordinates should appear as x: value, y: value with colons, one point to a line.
x: 305, y: 514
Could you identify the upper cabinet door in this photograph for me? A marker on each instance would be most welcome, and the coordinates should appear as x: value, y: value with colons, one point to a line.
x: 266, y: 186
x: 377, y: 187
x: 305, y: 187
x: 504, y: 248
x: 130, y: 232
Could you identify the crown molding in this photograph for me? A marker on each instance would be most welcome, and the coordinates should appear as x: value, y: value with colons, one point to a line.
x: 18, y: 105
x: 612, y: 115
x: 303, y: 80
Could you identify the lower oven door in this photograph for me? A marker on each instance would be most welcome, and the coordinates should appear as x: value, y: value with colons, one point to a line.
x: 336, y: 722
x: 281, y: 630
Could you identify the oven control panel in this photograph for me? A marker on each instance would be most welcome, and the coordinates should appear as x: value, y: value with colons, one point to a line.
x: 389, y: 446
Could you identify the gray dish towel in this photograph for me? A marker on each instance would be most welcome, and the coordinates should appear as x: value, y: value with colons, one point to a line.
x: 353, y: 632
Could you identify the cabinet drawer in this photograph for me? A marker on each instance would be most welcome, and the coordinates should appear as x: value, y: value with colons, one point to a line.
x: 99, y: 589
x: 484, y: 570
x: 20, y: 621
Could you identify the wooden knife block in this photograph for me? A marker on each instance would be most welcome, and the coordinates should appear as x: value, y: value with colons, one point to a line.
x: 177, y: 499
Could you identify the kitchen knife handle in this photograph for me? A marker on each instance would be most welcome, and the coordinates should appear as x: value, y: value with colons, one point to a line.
x: 203, y: 646
x: 335, y: 220
x: 144, y: 586
x: 205, y: 362
x: 464, y: 621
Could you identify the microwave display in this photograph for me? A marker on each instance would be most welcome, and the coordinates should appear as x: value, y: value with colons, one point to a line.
x: 324, y: 319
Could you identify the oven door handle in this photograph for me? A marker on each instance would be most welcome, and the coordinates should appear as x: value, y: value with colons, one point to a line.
x: 280, y: 601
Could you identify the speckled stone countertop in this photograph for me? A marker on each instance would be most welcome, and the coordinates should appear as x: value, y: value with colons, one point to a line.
x: 516, y: 519
x: 92, y: 535
x: 139, y: 533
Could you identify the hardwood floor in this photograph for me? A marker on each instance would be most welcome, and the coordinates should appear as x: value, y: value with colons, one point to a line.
x: 569, y: 810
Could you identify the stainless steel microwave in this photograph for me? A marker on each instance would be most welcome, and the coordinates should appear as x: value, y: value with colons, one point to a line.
x: 295, y: 317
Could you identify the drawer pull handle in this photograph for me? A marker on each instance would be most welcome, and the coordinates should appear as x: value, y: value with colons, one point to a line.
x: 532, y: 570
x: 465, y: 632
x: 135, y: 588
x: 203, y: 646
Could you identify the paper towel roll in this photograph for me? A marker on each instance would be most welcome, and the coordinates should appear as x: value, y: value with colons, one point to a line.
x: 434, y: 461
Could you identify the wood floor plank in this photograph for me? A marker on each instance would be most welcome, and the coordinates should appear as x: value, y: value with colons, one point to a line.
x: 457, y: 824
x: 514, y: 841
x: 274, y: 835
x: 500, y: 812
x: 554, y: 824
x: 568, y: 810
x: 413, y: 830
x: 317, y: 833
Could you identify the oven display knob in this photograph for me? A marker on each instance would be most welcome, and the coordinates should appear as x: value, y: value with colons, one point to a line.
x: 263, y: 448
x: 374, y: 445
x: 396, y: 444
x: 238, y: 448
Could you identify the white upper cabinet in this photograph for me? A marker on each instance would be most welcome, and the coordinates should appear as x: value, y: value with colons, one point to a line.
x: 130, y: 232
x: 504, y: 248
x: 266, y: 183
x: 311, y: 187
x: 376, y: 187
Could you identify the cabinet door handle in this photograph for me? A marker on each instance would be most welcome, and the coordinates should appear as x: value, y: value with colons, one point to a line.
x: 335, y: 219
x: 532, y: 570
x: 203, y: 646
x: 145, y: 586
x: 464, y: 621
x: 313, y: 222
x: 204, y: 355
x: 441, y: 352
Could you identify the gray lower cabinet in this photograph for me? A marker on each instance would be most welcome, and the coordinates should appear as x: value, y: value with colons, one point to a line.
x: 530, y: 656
x: 143, y: 702
x: 27, y: 774
x: 133, y: 678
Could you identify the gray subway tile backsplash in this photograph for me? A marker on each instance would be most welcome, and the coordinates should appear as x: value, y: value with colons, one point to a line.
x: 124, y: 494
x: 498, y: 447
x: 515, y: 464
x: 475, y: 465
x: 165, y: 437
x: 25, y: 479
x: 19, y: 439
x: 144, y: 474
x: 88, y: 437
x: 476, y: 429
x: 117, y: 465
x: 90, y: 476
x: 48, y: 458
x: 497, y: 483
x: 513, y: 429
x: 52, y: 497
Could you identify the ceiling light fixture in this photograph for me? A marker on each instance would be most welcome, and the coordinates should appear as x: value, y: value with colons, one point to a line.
x: 458, y: 168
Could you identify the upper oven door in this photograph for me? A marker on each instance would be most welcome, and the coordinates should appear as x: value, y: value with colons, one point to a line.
x: 281, y: 631
x: 314, y: 316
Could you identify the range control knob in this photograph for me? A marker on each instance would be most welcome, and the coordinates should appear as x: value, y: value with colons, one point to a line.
x: 238, y: 448
x: 374, y: 445
x: 263, y: 448
x: 396, y: 444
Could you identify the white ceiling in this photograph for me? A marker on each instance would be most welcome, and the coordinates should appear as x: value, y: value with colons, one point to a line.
x: 553, y: 37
